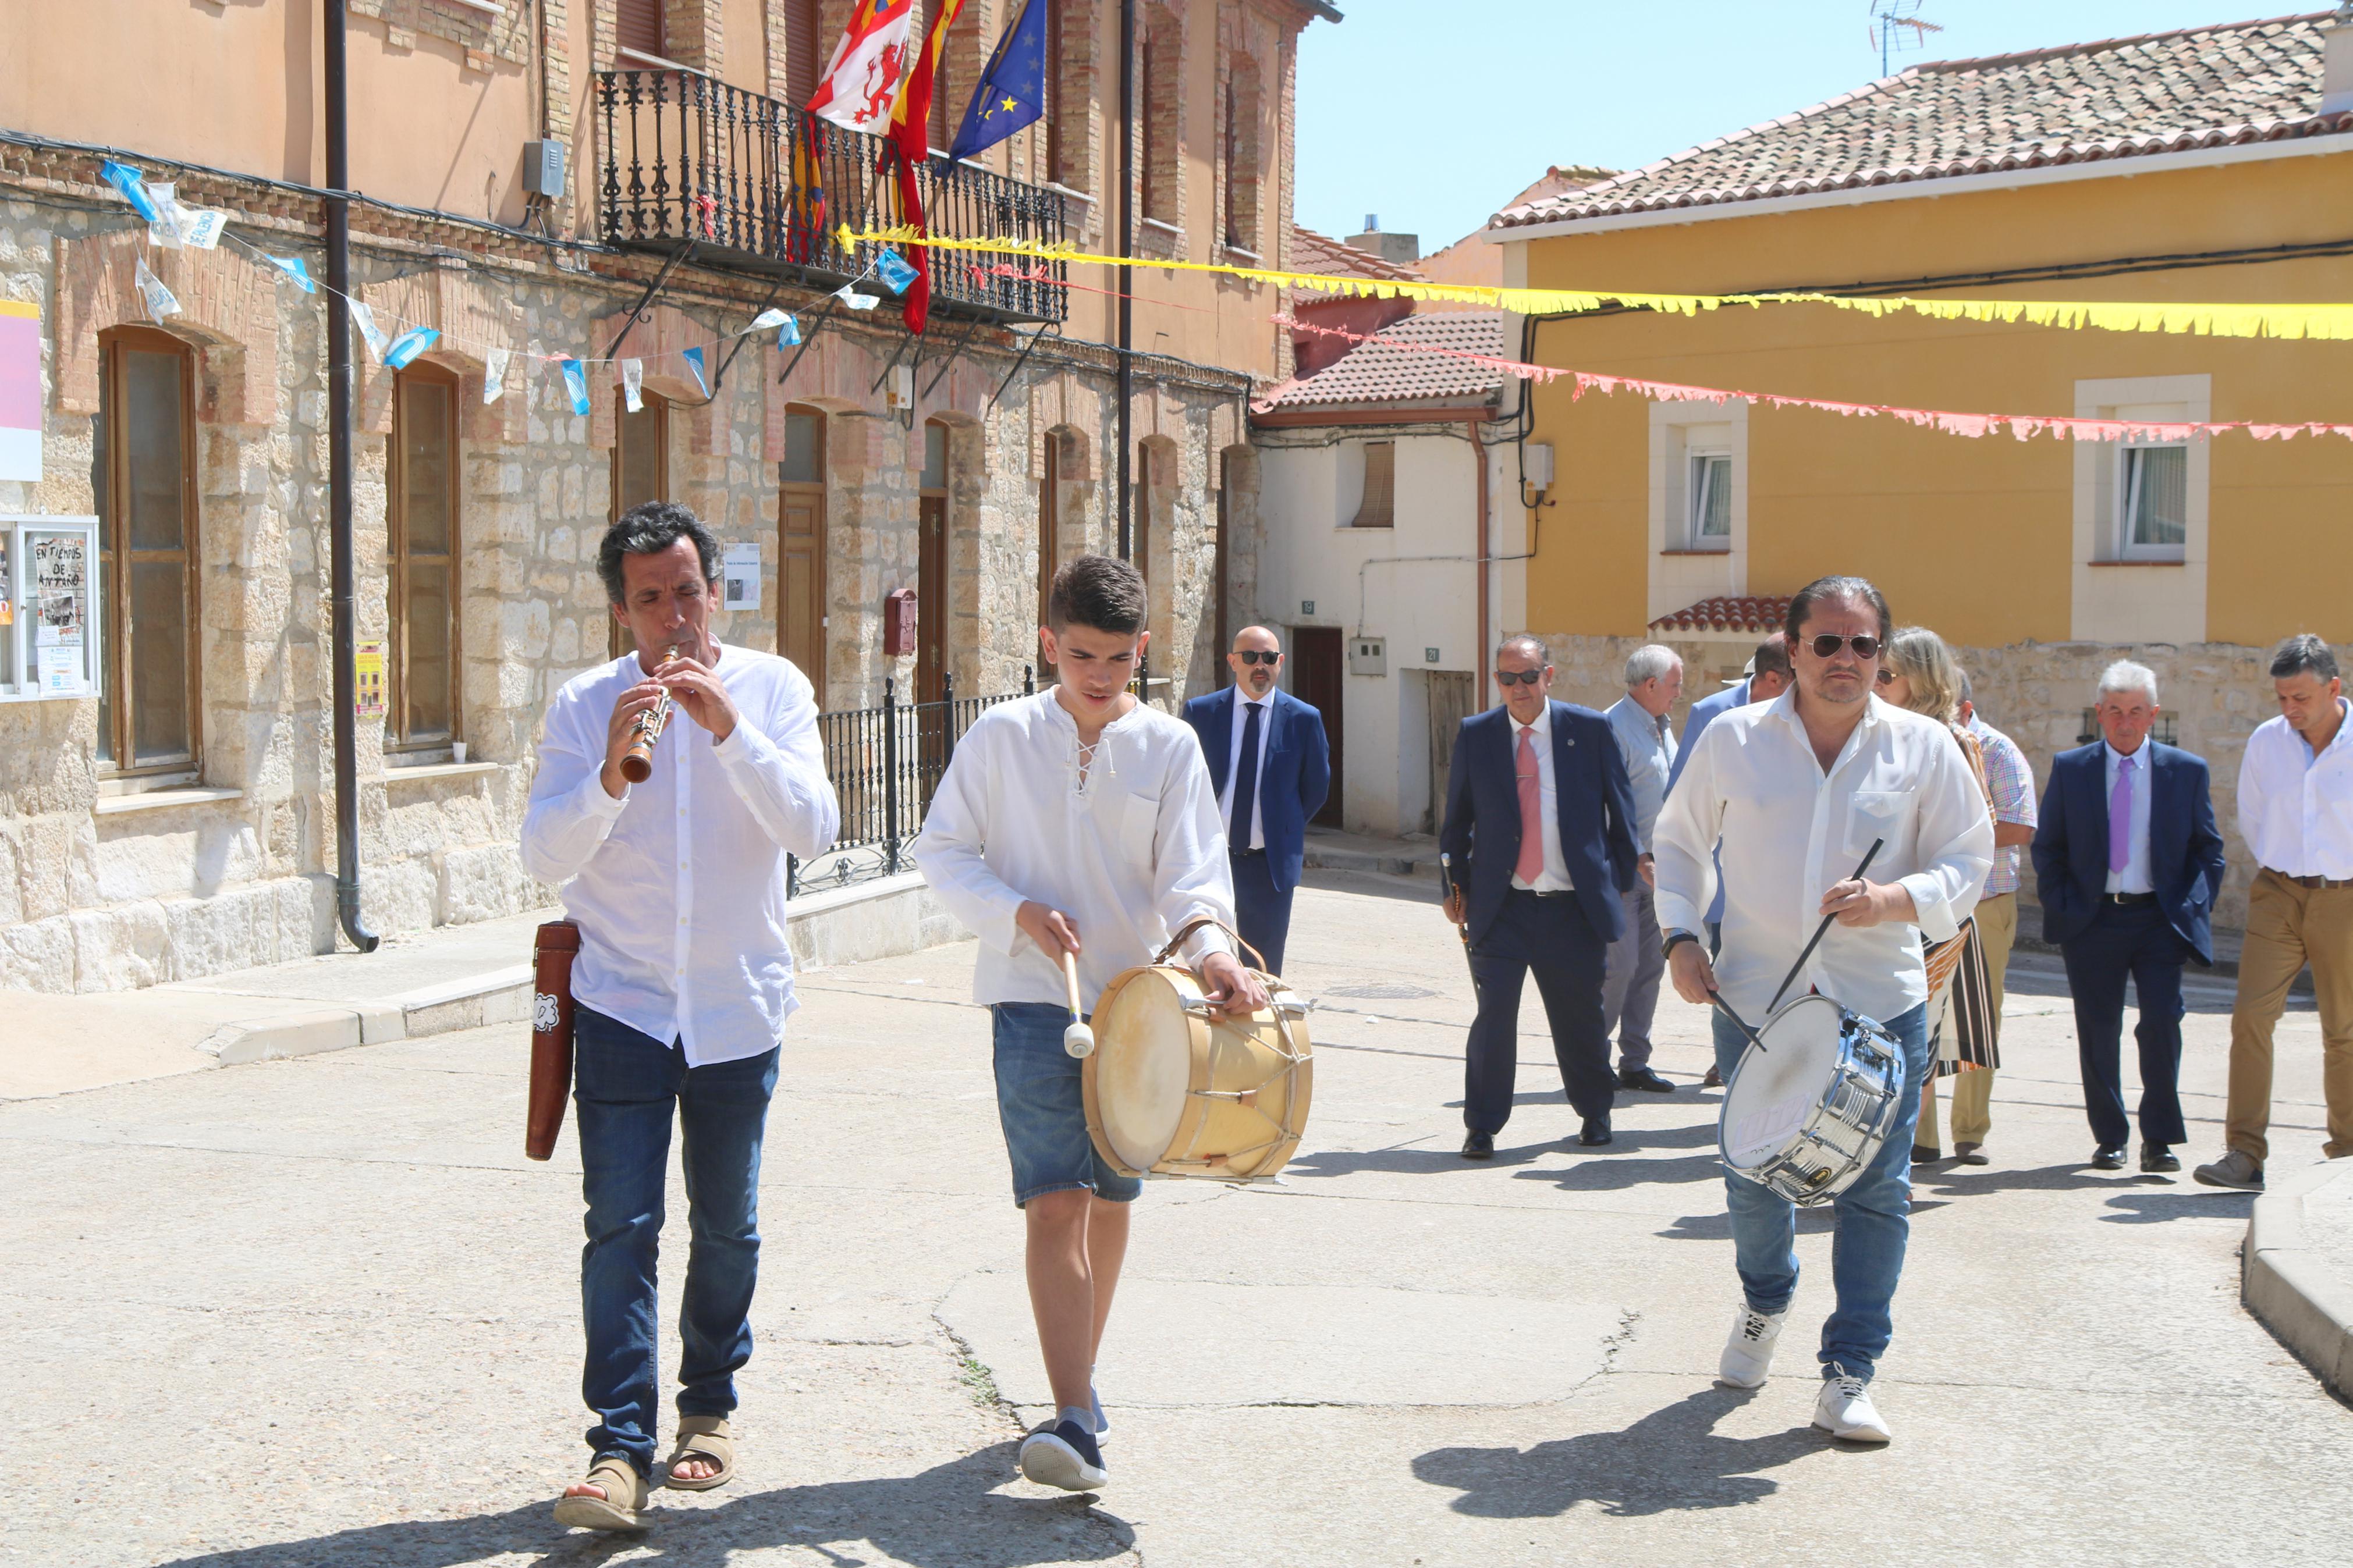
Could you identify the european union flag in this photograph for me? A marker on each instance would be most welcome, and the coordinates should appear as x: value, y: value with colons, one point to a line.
x: 1012, y: 91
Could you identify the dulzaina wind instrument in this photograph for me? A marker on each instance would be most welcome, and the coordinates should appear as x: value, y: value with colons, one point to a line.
x: 637, y: 761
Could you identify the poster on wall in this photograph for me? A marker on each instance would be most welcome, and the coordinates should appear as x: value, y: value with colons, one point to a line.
x: 7, y: 590
x: 21, y: 391
x: 742, y: 591
x: 60, y: 564
x: 367, y: 679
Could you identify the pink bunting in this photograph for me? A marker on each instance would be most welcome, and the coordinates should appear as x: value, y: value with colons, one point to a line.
x: 2024, y: 426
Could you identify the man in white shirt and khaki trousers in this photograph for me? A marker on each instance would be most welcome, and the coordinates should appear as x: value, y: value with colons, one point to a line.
x: 2295, y: 811
x: 1797, y: 790
x: 682, y: 984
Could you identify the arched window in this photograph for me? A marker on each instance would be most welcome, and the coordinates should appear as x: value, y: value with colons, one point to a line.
x: 640, y: 470
x: 1238, y: 155
x: 1159, y: 91
x: 421, y: 560
x: 143, y: 473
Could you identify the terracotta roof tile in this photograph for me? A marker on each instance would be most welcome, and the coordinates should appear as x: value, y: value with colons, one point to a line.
x: 2121, y: 98
x: 1757, y: 612
x: 1327, y: 256
x: 1387, y: 368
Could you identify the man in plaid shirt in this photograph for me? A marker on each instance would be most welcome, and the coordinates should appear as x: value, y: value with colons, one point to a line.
x: 2012, y: 784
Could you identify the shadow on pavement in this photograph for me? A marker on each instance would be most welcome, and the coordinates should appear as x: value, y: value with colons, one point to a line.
x: 946, y: 1515
x: 1967, y: 1180
x: 1604, y: 1173
x: 2153, y: 1206
x: 1668, y: 1461
x: 1821, y: 1219
x: 1421, y: 1160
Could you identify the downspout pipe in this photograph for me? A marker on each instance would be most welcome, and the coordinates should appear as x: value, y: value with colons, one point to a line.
x: 1479, y: 458
x: 1126, y: 395
x: 339, y: 487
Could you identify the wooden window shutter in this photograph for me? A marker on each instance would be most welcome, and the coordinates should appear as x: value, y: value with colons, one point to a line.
x: 640, y: 26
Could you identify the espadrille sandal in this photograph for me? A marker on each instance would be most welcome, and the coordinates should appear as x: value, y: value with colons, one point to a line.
x: 702, y: 1438
x: 623, y: 1506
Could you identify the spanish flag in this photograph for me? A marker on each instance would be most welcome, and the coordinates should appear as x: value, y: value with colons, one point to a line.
x: 911, y: 135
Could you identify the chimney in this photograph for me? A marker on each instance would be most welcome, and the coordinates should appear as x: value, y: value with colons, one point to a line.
x: 2336, y: 55
x: 1396, y: 248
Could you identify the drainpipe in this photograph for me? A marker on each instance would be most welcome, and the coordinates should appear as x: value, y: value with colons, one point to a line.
x: 1126, y: 274
x: 339, y: 490
x: 1479, y: 461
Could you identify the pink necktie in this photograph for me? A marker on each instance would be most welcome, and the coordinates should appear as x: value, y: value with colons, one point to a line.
x: 2120, y: 817
x: 1531, y: 865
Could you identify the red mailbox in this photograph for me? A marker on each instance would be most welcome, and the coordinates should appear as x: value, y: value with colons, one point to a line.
x: 898, y: 622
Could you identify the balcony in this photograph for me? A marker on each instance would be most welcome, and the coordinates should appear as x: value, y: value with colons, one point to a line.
x: 685, y: 155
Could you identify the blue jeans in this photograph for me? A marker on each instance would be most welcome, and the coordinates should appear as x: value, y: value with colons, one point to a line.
x: 624, y: 1085
x: 1873, y: 1221
x: 1042, y: 1107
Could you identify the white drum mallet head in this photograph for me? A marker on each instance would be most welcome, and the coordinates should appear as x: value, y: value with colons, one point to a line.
x: 1078, y: 1039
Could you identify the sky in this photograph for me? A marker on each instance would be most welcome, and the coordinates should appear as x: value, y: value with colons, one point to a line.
x: 1433, y: 113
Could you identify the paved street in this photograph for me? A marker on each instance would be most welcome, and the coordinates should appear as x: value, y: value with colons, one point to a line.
x: 323, y: 1312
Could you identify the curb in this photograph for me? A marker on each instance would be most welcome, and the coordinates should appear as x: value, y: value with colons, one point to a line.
x: 2287, y: 1284
x: 499, y: 997
x: 1358, y: 860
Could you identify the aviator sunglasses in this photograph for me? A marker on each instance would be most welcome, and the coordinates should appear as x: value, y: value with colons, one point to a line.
x: 1865, y: 645
x: 1255, y: 655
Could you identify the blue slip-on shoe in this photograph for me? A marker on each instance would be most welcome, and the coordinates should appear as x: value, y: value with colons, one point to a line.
x: 1063, y: 1456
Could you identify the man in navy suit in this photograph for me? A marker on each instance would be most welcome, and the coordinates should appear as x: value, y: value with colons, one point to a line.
x: 1540, y: 831
x: 2127, y: 862
x: 1272, y: 767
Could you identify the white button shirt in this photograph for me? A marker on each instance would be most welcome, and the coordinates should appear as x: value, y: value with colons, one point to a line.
x: 1255, y: 838
x: 2135, y: 876
x: 2296, y: 810
x: 1555, y: 878
x: 678, y: 887
x: 1130, y: 849
x: 1789, y: 831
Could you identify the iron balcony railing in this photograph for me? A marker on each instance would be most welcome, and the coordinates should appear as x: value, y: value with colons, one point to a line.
x: 685, y: 156
x: 884, y: 764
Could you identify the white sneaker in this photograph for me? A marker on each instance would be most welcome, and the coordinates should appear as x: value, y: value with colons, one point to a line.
x: 1748, y: 1353
x: 1844, y: 1410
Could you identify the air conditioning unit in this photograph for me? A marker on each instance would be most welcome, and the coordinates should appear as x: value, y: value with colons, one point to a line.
x: 1368, y: 655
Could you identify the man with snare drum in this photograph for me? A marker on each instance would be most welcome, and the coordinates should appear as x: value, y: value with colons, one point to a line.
x: 1077, y: 821
x: 1798, y: 790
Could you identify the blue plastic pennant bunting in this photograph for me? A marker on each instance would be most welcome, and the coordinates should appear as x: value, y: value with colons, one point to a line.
x: 133, y: 186
x: 364, y: 320
x: 160, y: 300
x: 494, y: 373
x: 788, y: 330
x: 893, y: 269
x: 575, y: 382
x: 848, y: 295
x: 694, y: 358
x: 633, y: 380
x: 408, y: 345
x: 292, y: 266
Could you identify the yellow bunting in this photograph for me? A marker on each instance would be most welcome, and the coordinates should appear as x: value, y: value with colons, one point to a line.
x: 2321, y: 322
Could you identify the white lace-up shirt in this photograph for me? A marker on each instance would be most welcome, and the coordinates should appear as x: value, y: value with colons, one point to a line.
x: 679, y: 886
x: 1130, y: 849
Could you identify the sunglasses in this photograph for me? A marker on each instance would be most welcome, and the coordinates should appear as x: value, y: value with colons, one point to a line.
x: 1865, y: 645
x: 1508, y: 679
x: 1255, y: 656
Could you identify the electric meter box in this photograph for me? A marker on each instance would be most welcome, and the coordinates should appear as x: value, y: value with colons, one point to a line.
x: 543, y: 168
x: 1368, y: 655
x: 49, y: 607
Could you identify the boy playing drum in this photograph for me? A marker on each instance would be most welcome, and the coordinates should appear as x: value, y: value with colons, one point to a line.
x: 1079, y: 820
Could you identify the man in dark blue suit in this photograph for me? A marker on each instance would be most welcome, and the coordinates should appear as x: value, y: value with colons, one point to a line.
x: 1540, y: 832
x: 1271, y: 766
x: 2127, y: 862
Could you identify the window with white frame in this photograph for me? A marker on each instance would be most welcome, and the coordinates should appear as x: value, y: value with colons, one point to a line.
x: 2152, y: 490
x: 1708, y: 487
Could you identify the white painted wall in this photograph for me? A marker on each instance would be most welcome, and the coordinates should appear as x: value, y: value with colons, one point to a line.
x: 1358, y: 583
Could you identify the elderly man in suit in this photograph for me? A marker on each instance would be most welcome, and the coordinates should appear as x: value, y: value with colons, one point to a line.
x: 1272, y: 767
x: 2127, y: 863
x: 1767, y: 675
x: 1646, y: 740
x: 1540, y: 835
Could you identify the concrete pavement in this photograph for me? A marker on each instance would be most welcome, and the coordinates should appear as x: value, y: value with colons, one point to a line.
x: 321, y: 1312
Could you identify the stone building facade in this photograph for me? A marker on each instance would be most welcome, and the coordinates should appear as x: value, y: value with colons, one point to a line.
x: 120, y: 869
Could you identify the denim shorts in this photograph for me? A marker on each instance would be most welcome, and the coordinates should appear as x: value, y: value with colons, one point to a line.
x: 1043, y: 1109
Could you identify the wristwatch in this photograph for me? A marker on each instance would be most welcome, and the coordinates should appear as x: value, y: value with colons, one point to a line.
x: 1674, y: 937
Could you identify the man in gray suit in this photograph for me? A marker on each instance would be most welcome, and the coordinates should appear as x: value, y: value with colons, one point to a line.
x: 1629, y: 996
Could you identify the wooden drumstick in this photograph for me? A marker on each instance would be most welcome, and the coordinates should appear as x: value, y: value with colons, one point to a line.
x: 1078, y: 1039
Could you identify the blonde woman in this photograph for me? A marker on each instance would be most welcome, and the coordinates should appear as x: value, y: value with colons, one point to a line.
x: 1917, y: 672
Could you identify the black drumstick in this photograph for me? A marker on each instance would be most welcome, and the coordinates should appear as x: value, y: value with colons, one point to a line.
x: 1738, y: 1022
x: 1868, y: 856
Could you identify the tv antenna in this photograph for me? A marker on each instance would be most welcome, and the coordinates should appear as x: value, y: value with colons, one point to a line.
x: 1896, y: 26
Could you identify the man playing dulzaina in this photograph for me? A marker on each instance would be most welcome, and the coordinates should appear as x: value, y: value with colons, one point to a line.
x: 1077, y: 821
x: 683, y: 984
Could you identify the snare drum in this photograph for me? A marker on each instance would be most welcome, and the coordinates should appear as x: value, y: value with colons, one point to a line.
x: 1171, y: 1093
x: 1804, y: 1116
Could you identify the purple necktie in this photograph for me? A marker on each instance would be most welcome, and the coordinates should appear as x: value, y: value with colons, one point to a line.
x: 2120, y: 817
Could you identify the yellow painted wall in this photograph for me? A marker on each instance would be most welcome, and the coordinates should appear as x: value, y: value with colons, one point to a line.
x: 1976, y: 532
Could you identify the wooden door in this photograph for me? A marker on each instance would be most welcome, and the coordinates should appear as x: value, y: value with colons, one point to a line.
x: 931, y: 596
x: 1318, y: 677
x: 1050, y: 542
x: 1453, y: 697
x: 800, y: 582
